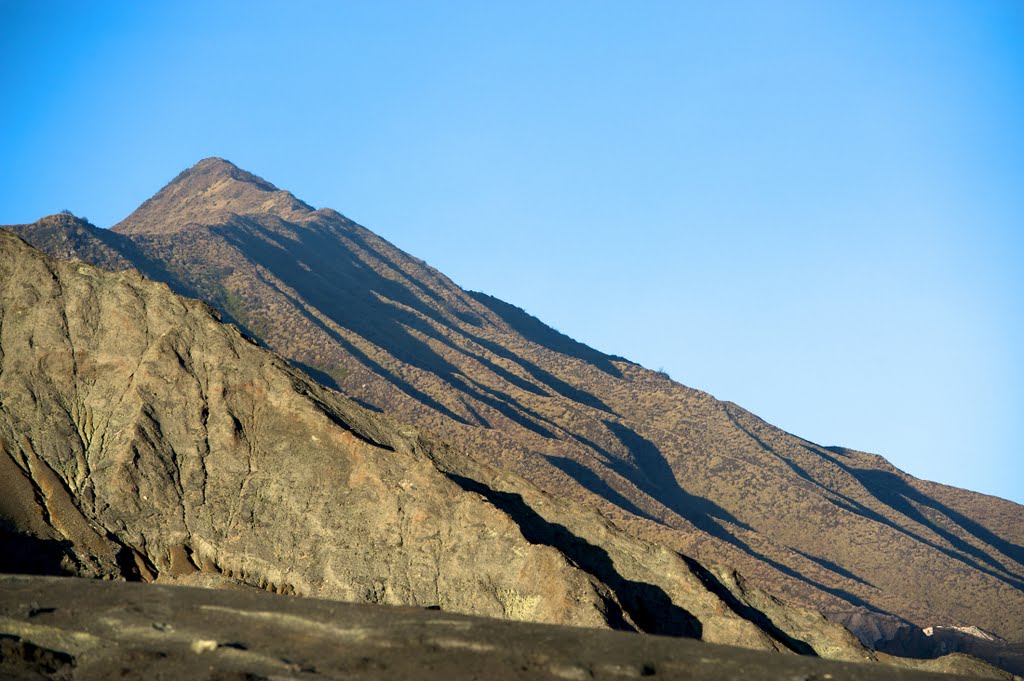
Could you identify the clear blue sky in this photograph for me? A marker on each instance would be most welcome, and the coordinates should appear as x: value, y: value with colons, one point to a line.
x: 813, y: 209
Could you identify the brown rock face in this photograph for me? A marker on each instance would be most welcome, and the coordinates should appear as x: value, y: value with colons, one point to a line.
x: 143, y: 439
x: 833, y: 528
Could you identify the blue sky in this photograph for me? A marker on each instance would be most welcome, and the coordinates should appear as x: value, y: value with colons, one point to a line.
x: 815, y: 210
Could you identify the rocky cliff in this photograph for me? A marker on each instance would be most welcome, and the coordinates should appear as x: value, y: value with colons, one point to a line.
x: 142, y: 439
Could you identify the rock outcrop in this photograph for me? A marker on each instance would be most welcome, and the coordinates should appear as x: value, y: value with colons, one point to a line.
x: 142, y: 439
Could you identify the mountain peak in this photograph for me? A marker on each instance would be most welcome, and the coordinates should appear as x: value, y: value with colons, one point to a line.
x: 210, y: 192
x: 215, y: 161
x: 215, y: 168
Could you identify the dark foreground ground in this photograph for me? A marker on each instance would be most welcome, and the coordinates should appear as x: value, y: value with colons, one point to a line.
x: 65, y: 628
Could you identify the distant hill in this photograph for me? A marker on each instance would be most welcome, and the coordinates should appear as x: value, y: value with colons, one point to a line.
x: 842, y: 531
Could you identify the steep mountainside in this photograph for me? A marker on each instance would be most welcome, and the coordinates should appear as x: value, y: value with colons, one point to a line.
x: 841, y: 530
x: 141, y: 438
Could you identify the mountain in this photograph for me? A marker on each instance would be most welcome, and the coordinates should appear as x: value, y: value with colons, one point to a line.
x: 142, y: 439
x: 835, y: 529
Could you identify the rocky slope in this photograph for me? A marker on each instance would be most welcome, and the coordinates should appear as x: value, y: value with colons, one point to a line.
x: 142, y: 439
x: 840, y: 530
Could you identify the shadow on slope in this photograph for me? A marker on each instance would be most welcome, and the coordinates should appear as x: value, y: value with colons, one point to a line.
x: 832, y: 567
x: 652, y: 474
x: 892, y: 490
x: 647, y: 605
x: 715, y: 586
x: 540, y: 333
x: 387, y: 308
x: 546, y: 378
x: 592, y: 482
x: 22, y: 553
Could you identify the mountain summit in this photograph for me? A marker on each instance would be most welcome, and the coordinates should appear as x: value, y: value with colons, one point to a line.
x: 842, y: 531
x: 208, y: 192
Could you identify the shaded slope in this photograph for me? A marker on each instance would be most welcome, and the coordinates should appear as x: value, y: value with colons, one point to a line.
x: 142, y: 439
x: 838, y: 529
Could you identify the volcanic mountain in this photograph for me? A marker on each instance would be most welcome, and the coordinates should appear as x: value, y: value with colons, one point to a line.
x: 840, y: 530
x: 142, y: 439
